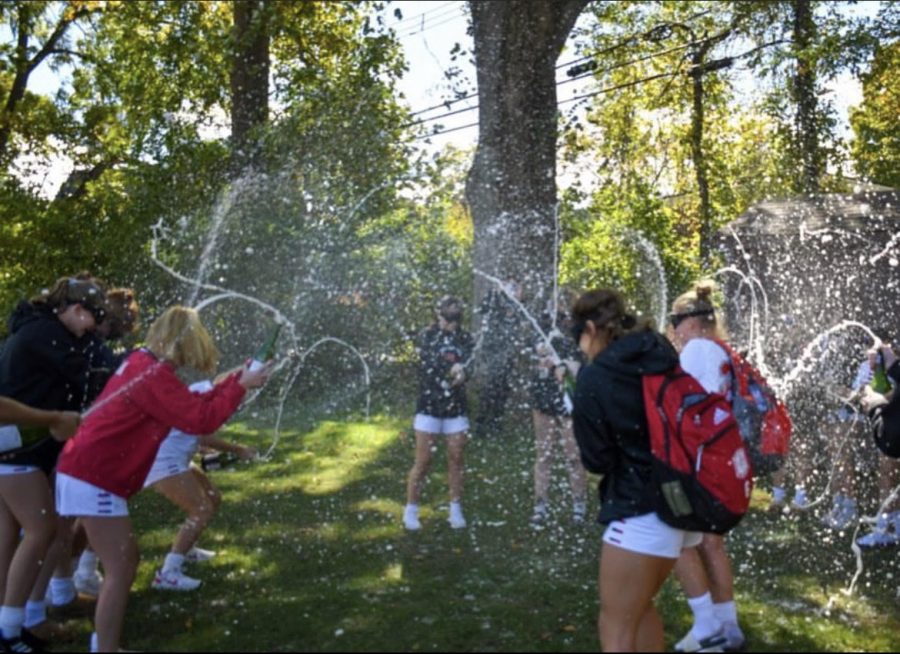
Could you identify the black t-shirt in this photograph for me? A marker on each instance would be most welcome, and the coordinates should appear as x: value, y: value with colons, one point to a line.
x: 546, y: 390
x: 438, y: 351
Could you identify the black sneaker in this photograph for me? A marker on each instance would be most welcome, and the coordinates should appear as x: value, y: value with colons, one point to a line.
x: 24, y: 644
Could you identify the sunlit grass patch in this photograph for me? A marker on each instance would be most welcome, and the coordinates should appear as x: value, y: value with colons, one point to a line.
x: 313, y: 557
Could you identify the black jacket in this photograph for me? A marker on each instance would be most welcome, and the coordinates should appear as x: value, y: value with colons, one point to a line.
x: 610, y: 423
x: 886, y: 419
x: 438, y: 351
x: 42, y: 363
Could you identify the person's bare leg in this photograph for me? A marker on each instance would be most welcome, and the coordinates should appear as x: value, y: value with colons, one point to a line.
x: 543, y: 455
x: 456, y: 445
x: 421, y: 465
x: 628, y: 584
x: 193, y: 493
x: 115, y: 544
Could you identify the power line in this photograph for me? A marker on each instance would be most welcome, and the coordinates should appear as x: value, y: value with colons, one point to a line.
x: 593, y: 56
x: 608, y: 89
x: 589, y: 73
x: 415, y: 18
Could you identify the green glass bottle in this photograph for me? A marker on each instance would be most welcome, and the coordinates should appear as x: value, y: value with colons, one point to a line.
x: 880, y: 382
x: 569, y: 390
x: 266, y: 351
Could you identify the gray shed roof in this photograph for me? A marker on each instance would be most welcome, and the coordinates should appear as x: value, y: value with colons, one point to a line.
x: 868, y: 211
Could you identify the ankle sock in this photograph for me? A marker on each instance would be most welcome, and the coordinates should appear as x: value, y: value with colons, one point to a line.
x: 35, y: 613
x: 62, y: 591
x: 725, y: 611
x: 173, y: 562
x: 87, y: 563
x: 778, y: 494
x: 705, y: 622
x: 11, y: 620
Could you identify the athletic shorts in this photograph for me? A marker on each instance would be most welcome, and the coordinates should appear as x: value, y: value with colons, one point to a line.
x: 79, y: 498
x: 13, y: 469
x: 433, y: 425
x: 647, y: 534
x: 166, y: 467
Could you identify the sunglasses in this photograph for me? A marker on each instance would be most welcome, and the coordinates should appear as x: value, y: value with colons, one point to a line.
x: 676, y: 319
x: 98, y: 313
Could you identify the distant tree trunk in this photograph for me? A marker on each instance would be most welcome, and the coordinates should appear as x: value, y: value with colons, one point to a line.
x: 249, y: 78
x: 805, y: 96
x: 697, y: 152
x: 511, y: 187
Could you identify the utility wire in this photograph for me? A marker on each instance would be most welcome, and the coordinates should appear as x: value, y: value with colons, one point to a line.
x: 608, y: 89
x: 579, y: 74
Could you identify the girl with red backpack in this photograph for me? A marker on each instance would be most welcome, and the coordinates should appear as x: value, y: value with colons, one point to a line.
x: 609, y: 416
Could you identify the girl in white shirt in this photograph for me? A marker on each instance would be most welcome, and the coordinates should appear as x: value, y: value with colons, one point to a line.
x: 705, y: 572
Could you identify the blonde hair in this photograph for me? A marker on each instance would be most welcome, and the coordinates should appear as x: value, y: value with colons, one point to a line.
x: 605, y: 307
x: 179, y: 336
x: 698, y: 300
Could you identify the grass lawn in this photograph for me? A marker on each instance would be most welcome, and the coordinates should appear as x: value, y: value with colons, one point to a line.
x: 313, y: 556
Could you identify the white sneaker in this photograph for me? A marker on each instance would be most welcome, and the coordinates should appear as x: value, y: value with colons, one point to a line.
x: 198, y: 555
x: 411, y: 520
x: 539, y: 516
x: 457, y: 521
x: 878, y: 538
x: 800, y: 502
x: 88, y: 584
x: 714, y: 643
x: 177, y: 580
x: 841, y: 516
x: 734, y: 637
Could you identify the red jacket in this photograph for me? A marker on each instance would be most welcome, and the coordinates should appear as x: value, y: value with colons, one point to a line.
x: 117, y: 443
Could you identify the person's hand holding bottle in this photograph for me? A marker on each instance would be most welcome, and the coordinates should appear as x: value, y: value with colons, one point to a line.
x: 255, y: 377
x: 457, y: 374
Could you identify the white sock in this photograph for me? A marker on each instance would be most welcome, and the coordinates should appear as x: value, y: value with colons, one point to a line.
x: 726, y: 611
x: 799, y: 494
x: 778, y: 494
x: 455, y: 508
x: 94, y: 645
x: 11, y: 620
x: 62, y: 591
x: 173, y: 562
x: 35, y: 613
x: 705, y: 622
x: 411, y: 510
x: 580, y: 507
x: 87, y: 564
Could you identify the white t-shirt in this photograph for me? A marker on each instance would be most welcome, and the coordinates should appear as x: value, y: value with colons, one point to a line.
x: 178, y: 445
x: 708, y: 363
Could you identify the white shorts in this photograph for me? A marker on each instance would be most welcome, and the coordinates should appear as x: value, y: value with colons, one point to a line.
x: 647, y: 534
x: 79, y: 498
x: 165, y: 468
x: 433, y: 425
x: 12, y: 469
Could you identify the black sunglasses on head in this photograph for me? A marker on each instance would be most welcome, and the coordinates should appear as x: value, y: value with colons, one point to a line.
x: 676, y: 319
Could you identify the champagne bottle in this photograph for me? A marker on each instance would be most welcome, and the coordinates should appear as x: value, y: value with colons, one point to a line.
x: 266, y: 351
x: 218, y: 460
x: 569, y: 390
x: 880, y: 382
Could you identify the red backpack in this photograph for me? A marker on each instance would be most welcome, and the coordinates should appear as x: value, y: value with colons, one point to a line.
x: 762, y: 418
x: 700, y: 462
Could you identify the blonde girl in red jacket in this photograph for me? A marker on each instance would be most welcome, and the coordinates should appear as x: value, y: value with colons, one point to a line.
x: 108, y: 459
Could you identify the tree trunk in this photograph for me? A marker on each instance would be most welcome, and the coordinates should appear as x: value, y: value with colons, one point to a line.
x: 805, y: 96
x: 697, y: 152
x: 511, y: 187
x: 249, y: 78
